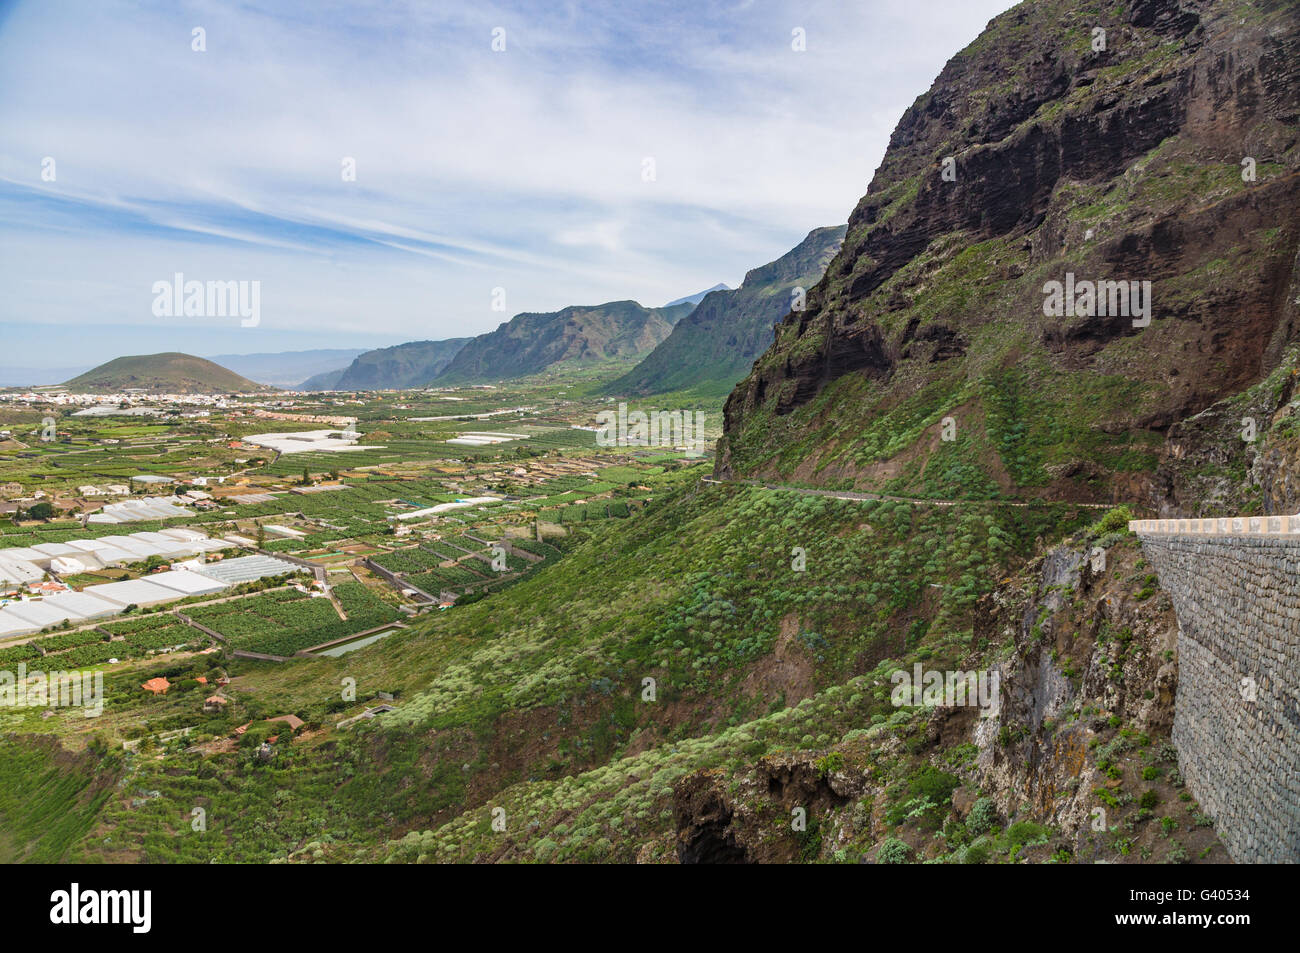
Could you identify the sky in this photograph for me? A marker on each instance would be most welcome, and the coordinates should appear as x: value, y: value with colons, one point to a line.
x: 601, y: 151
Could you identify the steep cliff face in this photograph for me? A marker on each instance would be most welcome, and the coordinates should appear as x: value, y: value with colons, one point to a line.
x: 1088, y: 698
x: 1169, y: 156
x: 715, y: 345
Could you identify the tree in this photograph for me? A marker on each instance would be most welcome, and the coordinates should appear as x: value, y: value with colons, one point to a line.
x: 40, y: 511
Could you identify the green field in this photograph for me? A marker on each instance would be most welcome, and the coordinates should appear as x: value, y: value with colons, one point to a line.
x: 287, y: 621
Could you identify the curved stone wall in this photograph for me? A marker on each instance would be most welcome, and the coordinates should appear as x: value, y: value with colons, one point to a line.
x: 1235, y: 586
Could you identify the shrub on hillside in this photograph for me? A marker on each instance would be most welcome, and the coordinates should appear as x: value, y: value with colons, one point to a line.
x: 983, y: 817
x: 893, y: 851
x: 1114, y: 521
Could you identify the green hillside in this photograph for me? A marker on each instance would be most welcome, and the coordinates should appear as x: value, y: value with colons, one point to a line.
x: 715, y: 345
x: 168, y: 373
x: 702, y: 669
x: 413, y: 364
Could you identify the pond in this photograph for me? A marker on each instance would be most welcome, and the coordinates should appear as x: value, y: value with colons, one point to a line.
x: 337, y: 650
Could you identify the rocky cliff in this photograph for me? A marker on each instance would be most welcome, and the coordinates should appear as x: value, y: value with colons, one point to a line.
x: 1152, y: 141
x: 1077, y: 763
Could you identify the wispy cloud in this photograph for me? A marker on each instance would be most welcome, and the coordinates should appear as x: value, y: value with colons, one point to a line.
x: 475, y: 169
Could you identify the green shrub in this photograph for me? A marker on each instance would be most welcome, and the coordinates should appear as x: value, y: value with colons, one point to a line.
x: 893, y: 851
x: 830, y: 764
x: 983, y: 817
x: 934, y: 784
x: 955, y: 833
x: 1114, y: 521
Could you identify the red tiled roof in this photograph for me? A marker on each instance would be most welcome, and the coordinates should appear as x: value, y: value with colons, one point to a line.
x: 157, y: 685
x: 293, y: 721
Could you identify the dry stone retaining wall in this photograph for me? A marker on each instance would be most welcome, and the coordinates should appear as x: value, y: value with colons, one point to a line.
x: 1235, y: 586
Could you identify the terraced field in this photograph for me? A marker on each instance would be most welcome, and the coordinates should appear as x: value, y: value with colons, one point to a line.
x: 287, y: 621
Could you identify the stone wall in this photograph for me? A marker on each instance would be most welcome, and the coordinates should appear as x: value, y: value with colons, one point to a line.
x: 1237, y: 712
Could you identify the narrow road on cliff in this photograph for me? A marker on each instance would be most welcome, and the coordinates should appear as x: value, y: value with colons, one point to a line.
x: 920, y: 501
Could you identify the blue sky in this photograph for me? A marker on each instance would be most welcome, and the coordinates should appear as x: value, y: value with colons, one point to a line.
x: 476, y: 169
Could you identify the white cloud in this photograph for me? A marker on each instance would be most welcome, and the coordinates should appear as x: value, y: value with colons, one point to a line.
x: 474, y: 169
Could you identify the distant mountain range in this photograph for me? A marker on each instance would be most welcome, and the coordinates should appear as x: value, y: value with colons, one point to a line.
x: 280, y: 369
x: 167, y: 373
x: 414, y: 364
x: 698, y: 296
x: 532, y: 342
x: 287, y: 368
x: 715, y: 346
x: 709, y: 352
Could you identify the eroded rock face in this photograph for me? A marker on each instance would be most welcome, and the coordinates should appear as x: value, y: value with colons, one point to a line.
x: 1087, y: 651
x: 748, y: 819
x: 1118, y: 164
x: 1276, y: 471
x: 704, y: 815
x: 1241, y: 455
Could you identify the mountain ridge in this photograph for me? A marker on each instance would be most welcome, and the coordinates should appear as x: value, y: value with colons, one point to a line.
x: 698, y: 296
x: 714, y: 346
x: 531, y: 342
x: 412, y: 364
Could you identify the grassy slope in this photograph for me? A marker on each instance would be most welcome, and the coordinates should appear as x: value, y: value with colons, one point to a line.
x: 543, y: 680
x: 890, y: 784
x: 49, y: 799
